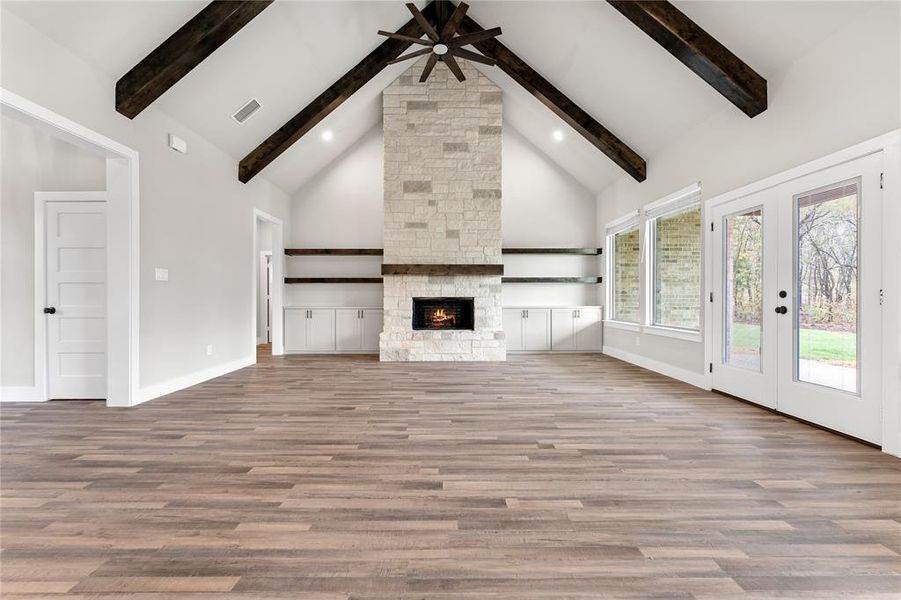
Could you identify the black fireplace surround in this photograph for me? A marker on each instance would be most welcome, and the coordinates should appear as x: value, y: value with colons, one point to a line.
x: 443, y: 314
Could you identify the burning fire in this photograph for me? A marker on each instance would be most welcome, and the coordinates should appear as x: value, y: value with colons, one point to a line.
x: 441, y: 319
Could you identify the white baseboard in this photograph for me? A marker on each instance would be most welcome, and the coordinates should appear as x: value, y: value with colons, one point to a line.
x: 185, y: 381
x: 690, y: 377
x: 21, y: 393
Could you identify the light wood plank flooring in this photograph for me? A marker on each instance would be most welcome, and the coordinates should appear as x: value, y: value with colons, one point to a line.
x: 555, y: 476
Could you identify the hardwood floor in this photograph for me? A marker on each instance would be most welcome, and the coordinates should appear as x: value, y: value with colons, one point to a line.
x: 336, y: 477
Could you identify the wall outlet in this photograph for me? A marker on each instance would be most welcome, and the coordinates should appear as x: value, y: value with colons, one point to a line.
x: 161, y: 274
x: 209, y: 350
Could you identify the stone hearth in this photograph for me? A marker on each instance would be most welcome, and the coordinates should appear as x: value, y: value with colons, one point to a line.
x: 442, y: 206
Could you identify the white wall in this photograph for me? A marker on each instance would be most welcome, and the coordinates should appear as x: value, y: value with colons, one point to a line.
x: 196, y: 218
x: 842, y: 92
x: 31, y: 160
x: 342, y: 207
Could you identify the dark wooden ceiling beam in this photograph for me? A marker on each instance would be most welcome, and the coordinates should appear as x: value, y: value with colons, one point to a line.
x: 330, y: 99
x: 182, y: 51
x: 560, y: 105
x: 699, y: 51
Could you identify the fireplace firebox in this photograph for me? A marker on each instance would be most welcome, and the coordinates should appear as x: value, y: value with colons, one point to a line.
x: 441, y: 314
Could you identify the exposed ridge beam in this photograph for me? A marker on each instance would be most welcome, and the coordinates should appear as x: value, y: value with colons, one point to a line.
x: 699, y: 51
x: 330, y: 99
x: 560, y: 105
x: 202, y: 35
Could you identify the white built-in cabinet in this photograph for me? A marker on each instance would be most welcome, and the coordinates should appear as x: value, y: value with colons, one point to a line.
x: 571, y: 329
x: 576, y: 329
x: 357, y: 329
x: 527, y: 329
x: 332, y: 329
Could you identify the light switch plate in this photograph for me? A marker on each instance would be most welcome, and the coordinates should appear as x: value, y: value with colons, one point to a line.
x: 162, y: 274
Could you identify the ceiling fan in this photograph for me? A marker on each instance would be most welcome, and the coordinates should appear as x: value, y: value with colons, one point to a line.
x: 446, y: 45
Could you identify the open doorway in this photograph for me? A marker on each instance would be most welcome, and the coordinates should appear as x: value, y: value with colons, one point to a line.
x: 268, y: 252
x: 95, y: 238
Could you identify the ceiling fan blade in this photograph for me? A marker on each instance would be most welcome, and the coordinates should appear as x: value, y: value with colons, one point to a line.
x: 406, y: 38
x: 450, y: 28
x: 464, y: 53
x: 472, y: 38
x: 423, y: 22
x: 429, y: 65
x: 410, y: 55
x: 454, y: 67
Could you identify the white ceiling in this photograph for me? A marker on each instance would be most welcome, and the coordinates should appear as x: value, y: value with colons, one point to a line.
x: 294, y: 50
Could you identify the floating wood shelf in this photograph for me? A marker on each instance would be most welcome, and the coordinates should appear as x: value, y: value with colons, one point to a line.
x: 381, y: 252
x: 333, y: 280
x: 334, y: 252
x: 585, y: 251
x: 504, y: 279
x: 444, y: 270
x: 552, y: 279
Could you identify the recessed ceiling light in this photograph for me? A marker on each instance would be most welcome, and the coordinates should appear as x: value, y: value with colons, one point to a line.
x: 327, y: 135
x: 558, y: 135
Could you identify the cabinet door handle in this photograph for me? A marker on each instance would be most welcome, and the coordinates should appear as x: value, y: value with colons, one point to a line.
x: 579, y: 314
x: 527, y: 314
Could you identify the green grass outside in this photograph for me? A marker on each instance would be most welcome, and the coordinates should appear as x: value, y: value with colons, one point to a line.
x: 829, y: 346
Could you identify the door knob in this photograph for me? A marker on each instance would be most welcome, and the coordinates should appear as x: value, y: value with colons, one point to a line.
x: 781, y: 310
x: 50, y: 310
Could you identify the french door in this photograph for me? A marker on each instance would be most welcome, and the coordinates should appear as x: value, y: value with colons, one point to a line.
x: 797, y: 320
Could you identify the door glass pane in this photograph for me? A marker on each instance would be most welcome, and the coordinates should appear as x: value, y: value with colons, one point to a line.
x: 826, y: 272
x: 743, y: 280
x: 626, y: 264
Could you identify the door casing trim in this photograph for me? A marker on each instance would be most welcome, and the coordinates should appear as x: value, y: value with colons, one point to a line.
x: 890, y: 145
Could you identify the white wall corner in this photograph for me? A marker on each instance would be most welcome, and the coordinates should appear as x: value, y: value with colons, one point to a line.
x: 185, y: 381
x: 699, y: 380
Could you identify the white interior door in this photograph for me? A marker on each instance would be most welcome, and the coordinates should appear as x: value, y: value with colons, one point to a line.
x: 797, y: 313
x: 76, y: 299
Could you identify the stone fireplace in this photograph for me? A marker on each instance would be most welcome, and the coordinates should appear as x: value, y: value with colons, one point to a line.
x: 442, y: 217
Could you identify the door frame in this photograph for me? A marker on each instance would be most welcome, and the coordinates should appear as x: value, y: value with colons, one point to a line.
x: 123, y: 256
x: 890, y: 145
x: 265, y: 258
x: 277, y: 330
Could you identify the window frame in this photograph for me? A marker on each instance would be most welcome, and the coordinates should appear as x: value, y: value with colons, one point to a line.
x: 644, y: 219
x: 629, y: 221
x: 688, y: 199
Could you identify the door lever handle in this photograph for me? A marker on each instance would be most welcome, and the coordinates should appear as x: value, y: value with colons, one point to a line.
x: 50, y: 310
x: 781, y: 310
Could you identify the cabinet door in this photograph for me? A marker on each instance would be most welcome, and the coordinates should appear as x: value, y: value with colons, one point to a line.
x: 372, y: 329
x: 348, y: 334
x: 513, y: 329
x: 563, y: 329
x: 321, y: 330
x: 295, y: 330
x: 537, y: 330
x: 588, y: 329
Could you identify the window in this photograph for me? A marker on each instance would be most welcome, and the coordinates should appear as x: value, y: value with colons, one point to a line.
x: 624, y: 272
x: 675, y: 267
x: 654, y: 266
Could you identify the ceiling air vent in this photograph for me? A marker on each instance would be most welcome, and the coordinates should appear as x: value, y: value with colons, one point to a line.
x: 247, y: 111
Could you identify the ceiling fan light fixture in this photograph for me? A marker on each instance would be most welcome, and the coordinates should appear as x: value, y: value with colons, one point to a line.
x: 445, y: 46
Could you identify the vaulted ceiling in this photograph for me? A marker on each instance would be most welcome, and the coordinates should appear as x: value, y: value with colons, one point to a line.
x: 293, y: 51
